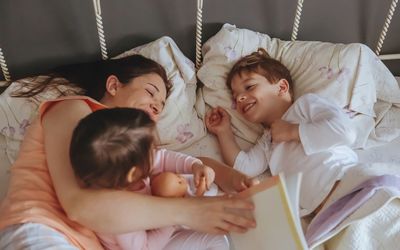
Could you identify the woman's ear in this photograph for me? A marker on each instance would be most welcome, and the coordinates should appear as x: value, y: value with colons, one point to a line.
x: 283, y: 86
x: 112, y: 85
x: 133, y: 174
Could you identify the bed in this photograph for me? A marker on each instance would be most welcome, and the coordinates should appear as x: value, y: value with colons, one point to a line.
x: 340, y: 64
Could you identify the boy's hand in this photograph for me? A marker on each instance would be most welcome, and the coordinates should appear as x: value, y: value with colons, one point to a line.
x: 218, y: 120
x: 241, y: 182
x: 203, y: 176
x: 282, y: 131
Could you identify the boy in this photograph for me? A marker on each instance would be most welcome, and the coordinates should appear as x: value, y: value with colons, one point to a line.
x: 311, y: 135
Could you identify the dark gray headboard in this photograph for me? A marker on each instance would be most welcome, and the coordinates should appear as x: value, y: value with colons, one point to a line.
x: 41, y: 34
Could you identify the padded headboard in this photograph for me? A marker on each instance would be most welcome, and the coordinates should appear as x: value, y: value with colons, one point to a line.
x: 38, y: 35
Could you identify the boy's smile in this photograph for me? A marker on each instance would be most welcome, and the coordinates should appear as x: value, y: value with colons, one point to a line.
x: 247, y: 107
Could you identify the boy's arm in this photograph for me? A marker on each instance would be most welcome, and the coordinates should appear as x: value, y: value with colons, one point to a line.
x: 328, y: 126
x: 218, y: 122
x: 254, y: 161
x: 229, y: 147
x: 227, y: 178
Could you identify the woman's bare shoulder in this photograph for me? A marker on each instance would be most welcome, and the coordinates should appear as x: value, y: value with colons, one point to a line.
x: 65, y: 109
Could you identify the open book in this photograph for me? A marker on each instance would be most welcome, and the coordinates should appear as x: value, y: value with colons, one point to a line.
x: 276, y: 212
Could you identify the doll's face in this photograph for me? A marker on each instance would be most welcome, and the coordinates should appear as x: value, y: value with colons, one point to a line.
x: 168, y: 184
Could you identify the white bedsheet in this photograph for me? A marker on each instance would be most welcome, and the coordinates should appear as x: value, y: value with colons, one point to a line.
x: 5, y: 165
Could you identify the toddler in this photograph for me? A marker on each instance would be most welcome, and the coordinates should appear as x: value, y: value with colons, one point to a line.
x: 115, y: 149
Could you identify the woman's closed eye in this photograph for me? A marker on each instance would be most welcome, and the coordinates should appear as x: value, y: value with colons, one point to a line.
x: 151, y: 93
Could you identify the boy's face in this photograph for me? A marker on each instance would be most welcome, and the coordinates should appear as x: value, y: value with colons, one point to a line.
x: 257, y: 100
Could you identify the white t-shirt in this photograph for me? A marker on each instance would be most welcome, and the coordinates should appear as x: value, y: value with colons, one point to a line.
x: 323, y: 153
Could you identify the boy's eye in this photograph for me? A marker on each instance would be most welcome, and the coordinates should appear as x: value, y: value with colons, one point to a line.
x: 250, y: 86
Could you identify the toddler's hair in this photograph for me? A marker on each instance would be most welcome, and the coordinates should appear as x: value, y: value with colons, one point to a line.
x: 261, y: 63
x: 107, y: 143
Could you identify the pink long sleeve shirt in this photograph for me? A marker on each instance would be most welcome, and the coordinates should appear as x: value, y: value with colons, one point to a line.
x: 164, y: 160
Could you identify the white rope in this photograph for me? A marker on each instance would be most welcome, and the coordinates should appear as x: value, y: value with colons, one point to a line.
x: 100, y: 29
x: 386, y: 26
x: 389, y: 57
x: 4, y: 67
x: 199, y: 24
x: 297, y: 17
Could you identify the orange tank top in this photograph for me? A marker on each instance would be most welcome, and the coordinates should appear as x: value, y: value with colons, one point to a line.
x: 31, y: 196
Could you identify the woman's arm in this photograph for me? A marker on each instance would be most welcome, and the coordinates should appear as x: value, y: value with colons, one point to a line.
x: 111, y: 211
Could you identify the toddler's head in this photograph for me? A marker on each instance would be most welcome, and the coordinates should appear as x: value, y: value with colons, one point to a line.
x: 112, y: 148
x: 261, y: 87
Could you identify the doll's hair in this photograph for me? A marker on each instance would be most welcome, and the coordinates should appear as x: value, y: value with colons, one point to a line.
x: 261, y: 63
x: 107, y: 143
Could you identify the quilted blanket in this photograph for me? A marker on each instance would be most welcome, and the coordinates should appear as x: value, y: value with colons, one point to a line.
x: 374, y: 225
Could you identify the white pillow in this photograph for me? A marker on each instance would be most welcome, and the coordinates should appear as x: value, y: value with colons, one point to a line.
x: 179, y: 125
x: 345, y: 74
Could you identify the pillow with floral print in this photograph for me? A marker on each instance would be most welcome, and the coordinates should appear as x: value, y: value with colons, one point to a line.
x: 346, y: 74
x: 179, y: 125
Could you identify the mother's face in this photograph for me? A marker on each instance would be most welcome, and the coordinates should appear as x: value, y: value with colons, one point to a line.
x: 146, y: 92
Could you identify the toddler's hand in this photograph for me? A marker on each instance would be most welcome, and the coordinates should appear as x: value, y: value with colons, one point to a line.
x: 203, y: 176
x: 282, y: 131
x: 201, y: 188
x: 218, y: 120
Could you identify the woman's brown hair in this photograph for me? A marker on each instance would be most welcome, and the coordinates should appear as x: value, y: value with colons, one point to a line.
x: 91, y: 77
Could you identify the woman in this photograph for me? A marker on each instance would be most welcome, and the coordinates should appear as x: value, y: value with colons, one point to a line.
x: 44, y: 198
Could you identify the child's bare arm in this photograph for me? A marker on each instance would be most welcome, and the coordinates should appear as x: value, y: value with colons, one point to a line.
x: 227, y: 178
x: 229, y: 147
x: 218, y: 123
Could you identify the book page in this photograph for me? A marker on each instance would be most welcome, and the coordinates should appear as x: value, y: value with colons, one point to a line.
x: 292, y: 184
x: 276, y: 226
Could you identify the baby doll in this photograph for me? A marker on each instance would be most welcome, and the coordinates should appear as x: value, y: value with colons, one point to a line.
x: 169, y: 184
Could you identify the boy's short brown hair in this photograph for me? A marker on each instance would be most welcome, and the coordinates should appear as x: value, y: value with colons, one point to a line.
x: 261, y: 63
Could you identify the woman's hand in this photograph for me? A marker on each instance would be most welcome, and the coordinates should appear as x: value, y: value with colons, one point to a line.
x: 218, y: 121
x: 217, y: 215
x: 203, y: 176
